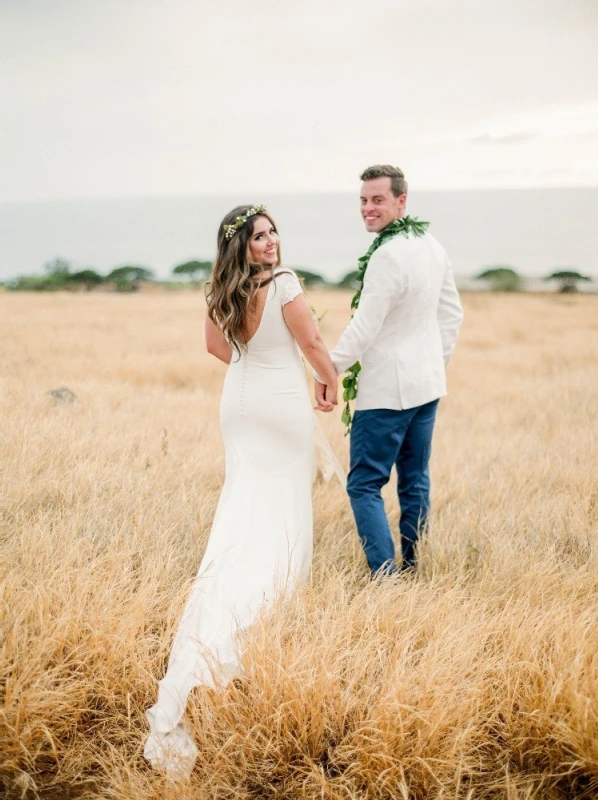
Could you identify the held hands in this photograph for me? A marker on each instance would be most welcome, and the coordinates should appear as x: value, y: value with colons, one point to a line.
x: 326, y: 396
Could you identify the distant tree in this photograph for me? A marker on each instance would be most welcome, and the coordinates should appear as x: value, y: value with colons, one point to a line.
x: 58, y: 273
x: 568, y: 279
x: 31, y: 283
x: 196, y: 271
x: 502, y: 279
x: 58, y: 266
x: 128, y: 278
x: 310, y: 278
x: 349, y: 281
x: 131, y: 273
x: 58, y: 276
x: 87, y: 278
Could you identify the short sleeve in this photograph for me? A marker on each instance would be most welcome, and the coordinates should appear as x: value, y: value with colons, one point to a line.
x: 287, y: 286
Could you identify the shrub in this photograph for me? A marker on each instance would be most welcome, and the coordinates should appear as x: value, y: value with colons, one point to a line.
x: 196, y: 271
x: 568, y: 279
x: 348, y: 281
x: 502, y: 279
x: 310, y: 278
x: 86, y: 278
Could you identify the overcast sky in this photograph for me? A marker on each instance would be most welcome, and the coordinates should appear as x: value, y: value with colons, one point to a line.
x: 120, y: 98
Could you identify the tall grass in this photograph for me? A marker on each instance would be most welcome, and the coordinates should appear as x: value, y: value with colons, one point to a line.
x: 477, y: 678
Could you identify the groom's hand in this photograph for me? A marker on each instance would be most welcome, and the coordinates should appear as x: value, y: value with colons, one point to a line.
x: 322, y: 402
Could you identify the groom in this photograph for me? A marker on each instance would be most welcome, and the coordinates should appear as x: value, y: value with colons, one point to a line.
x: 403, y: 332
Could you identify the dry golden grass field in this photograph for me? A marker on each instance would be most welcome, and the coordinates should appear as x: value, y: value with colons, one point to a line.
x: 477, y: 678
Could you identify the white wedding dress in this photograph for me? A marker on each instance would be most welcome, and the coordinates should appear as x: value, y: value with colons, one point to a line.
x: 261, y: 539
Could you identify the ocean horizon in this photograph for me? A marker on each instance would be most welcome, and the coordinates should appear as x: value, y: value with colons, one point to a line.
x: 534, y: 231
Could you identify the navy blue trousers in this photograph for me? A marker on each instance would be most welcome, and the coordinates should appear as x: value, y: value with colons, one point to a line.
x: 380, y: 438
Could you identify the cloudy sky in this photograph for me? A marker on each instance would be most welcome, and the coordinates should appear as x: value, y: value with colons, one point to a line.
x: 130, y: 98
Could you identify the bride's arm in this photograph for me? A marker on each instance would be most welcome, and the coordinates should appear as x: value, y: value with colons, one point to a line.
x: 299, y: 319
x: 216, y: 344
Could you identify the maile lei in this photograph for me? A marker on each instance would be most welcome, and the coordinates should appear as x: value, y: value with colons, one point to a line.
x: 400, y: 227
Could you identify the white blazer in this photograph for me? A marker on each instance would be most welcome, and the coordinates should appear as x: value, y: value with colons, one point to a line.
x: 406, y: 326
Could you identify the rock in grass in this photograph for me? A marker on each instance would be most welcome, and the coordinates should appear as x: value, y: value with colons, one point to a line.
x: 63, y: 395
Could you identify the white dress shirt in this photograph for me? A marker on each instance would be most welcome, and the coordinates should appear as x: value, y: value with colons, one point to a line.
x: 406, y: 326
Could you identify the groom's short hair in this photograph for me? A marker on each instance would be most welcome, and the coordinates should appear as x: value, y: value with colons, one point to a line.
x: 398, y: 184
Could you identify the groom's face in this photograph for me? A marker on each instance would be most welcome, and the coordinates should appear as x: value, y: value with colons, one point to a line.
x: 379, y: 206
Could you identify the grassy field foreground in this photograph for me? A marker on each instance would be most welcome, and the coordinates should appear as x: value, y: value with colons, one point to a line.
x: 478, y: 678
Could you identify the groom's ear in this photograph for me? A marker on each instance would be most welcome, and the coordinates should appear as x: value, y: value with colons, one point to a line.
x: 402, y: 200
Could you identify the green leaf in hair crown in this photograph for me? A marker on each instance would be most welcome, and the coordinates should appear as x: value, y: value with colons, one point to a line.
x: 406, y: 226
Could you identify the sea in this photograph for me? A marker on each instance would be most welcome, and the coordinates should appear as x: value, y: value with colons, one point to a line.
x: 534, y: 231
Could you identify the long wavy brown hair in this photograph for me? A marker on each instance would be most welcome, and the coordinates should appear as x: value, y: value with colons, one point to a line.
x: 231, y: 292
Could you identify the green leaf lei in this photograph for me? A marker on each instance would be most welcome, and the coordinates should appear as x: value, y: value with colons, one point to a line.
x: 400, y: 227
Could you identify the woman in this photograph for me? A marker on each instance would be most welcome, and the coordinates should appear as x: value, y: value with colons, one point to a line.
x: 261, y: 539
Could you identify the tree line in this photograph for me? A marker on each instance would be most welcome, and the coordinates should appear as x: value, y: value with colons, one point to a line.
x: 506, y: 279
x: 58, y: 275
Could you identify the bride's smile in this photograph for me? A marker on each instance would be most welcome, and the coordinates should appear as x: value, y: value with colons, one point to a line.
x: 263, y: 244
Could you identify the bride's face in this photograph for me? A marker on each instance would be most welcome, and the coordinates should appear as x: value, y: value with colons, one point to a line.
x: 263, y: 243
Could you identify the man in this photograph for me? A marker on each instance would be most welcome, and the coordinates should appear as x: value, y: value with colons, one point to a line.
x: 403, y: 333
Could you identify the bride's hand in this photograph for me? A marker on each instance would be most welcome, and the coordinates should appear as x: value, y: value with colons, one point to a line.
x: 326, y: 396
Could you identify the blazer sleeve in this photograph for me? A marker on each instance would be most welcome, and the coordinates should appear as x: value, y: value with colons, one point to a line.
x: 450, y: 313
x: 381, y: 289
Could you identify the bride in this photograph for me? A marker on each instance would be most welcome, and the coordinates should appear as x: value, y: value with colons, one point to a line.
x: 261, y: 540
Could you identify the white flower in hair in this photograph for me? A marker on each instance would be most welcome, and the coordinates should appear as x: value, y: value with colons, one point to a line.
x: 230, y: 230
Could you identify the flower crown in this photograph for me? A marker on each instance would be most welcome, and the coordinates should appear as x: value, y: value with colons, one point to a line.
x: 230, y: 230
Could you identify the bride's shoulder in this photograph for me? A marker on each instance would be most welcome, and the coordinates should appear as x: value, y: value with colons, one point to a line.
x: 287, y: 284
x: 284, y: 271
